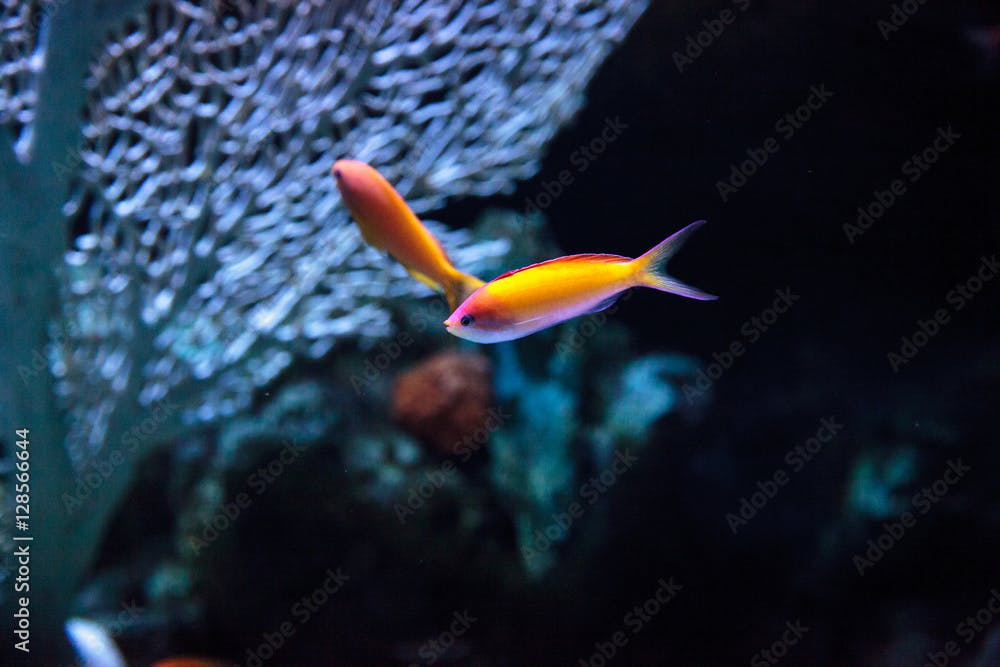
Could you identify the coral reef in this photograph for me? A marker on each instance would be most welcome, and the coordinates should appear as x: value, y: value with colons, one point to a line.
x: 445, y: 401
x: 533, y: 466
x: 423, y: 531
x: 475, y: 512
x: 181, y: 243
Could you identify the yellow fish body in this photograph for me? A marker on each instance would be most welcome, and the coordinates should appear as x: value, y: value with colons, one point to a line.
x: 535, y: 297
x: 389, y: 224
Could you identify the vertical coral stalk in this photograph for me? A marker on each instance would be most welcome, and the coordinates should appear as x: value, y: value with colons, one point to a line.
x: 32, y: 245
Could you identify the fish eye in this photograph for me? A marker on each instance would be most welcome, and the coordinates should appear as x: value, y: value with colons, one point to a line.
x: 467, y: 320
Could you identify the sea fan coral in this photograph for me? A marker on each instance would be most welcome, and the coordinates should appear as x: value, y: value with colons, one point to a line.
x: 20, y: 63
x: 210, y: 246
x: 202, y: 245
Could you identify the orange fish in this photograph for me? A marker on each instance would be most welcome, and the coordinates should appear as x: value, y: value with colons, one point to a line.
x: 535, y: 297
x: 187, y: 661
x: 387, y: 223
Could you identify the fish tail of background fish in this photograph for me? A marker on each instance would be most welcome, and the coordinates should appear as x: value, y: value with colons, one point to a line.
x: 651, y: 267
x: 459, y: 288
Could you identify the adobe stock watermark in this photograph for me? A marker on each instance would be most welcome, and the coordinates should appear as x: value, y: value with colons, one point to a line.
x: 590, y: 491
x: 957, y: 298
x: 772, y: 655
x: 580, y: 160
x: 913, y: 169
x: 751, y: 330
x: 900, y: 14
x: 434, y: 649
x: 968, y: 629
x: 633, y: 623
x: 587, y: 327
x: 432, y: 480
x: 922, y: 502
x: 113, y: 625
x: 259, y: 481
x: 696, y: 44
x: 64, y: 169
x: 38, y: 362
x: 100, y: 470
x: 389, y: 351
x: 786, y: 127
x: 128, y: 616
x: 795, y: 458
x: 301, y: 611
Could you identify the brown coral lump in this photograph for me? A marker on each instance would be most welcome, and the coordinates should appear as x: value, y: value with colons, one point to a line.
x: 445, y: 400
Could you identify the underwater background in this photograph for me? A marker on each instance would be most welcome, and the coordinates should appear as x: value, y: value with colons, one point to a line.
x: 252, y: 441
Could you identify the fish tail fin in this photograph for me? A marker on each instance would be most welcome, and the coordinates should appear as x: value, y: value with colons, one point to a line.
x: 421, y: 278
x: 459, y: 288
x: 651, y: 267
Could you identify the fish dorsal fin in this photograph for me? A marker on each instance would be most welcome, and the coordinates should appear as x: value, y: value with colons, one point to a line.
x: 569, y: 258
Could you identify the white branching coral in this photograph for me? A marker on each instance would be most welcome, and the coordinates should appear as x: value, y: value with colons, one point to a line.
x: 20, y: 62
x: 208, y: 243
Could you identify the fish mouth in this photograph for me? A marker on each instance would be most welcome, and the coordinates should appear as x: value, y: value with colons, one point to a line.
x: 450, y: 323
x: 341, y: 169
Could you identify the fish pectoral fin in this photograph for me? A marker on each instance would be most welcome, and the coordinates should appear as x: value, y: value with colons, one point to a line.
x: 607, y: 303
x: 433, y: 284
